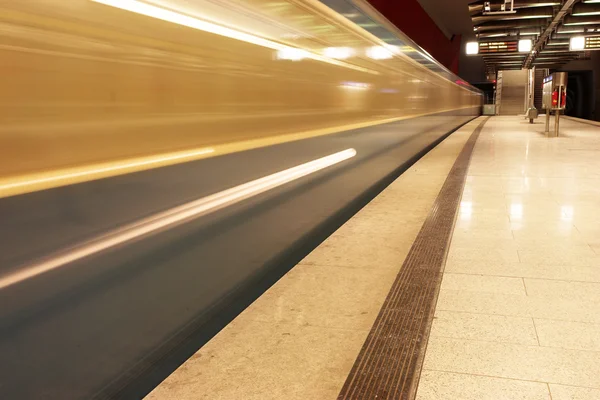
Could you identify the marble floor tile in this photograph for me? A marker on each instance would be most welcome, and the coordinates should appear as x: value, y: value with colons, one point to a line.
x: 466, y: 232
x: 572, y: 291
x: 491, y: 223
x: 525, y: 270
x: 353, y: 251
x: 493, y: 328
x: 483, y: 254
x: 569, y: 335
x: 519, y: 305
x: 560, y: 392
x: 558, y: 257
x: 482, y: 283
x: 326, y: 296
x: 438, y: 385
x: 261, y: 361
x: 514, y: 361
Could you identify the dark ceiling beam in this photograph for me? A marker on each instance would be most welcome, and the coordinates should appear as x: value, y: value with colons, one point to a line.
x: 477, y: 6
x: 549, y: 65
x: 528, y: 32
x: 581, y: 10
x: 503, y: 39
x: 515, y: 24
x: 578, y: 30
x: 541, y: 41
x: 556, y: 57
x: 525, y: 13
x: 572, y: 20
x: 568, y: 37
x: 492, y: 62
x: 503, y: 55
x: 557, y: 52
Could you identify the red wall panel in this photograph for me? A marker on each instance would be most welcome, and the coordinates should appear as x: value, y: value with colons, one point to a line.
x: 410, y: 18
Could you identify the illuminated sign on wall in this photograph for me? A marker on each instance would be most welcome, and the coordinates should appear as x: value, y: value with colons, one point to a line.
x: 498, y: 47
x: 581, y: 43
x: 592, y: 43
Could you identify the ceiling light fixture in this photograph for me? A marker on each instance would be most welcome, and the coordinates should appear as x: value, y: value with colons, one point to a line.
x: 472, y: 48
x: 525, y: 45
x: 577, y: 43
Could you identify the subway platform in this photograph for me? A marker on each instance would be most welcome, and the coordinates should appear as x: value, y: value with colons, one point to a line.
x: 475, y: 275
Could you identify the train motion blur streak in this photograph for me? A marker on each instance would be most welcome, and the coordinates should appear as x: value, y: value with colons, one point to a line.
x: 176, y: 216
x: 124, y: 121
x: 85, y: 83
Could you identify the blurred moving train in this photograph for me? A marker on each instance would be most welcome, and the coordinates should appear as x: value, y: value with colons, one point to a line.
x: 162, y: 162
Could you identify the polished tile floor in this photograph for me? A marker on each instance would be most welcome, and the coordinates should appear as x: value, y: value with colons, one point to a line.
x: 518, y: 315
x: 300, y: 339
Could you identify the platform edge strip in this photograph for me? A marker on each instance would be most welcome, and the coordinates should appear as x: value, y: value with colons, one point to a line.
x: 390, y: 361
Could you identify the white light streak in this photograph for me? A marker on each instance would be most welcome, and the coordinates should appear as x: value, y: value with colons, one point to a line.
x: 163, y: 14
x: 173, y: 217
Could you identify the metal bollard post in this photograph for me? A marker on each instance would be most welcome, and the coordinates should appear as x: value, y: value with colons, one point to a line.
x: 556, y: 123
x: 547, y: 131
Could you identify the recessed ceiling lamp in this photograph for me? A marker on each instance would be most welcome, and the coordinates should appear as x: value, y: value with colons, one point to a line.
x: 577, y: 43
x: 525, y: 45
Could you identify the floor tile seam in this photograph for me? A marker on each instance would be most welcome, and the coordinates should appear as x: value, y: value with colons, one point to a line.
x: 495, y: 377
x: 561, y: 280
x: 519, y: 316
x: 513, y: 379
x: 529, y: 346
x: 574, y: 386
x: 532, y: 298
x: 589, y: 262
x: 537, y: 336
x: 597, y: 324
x: 577, y: 248
x: 486, y: 291
x: 485, y: 314
x: 526, y: 276
x: 483, y: 340
x: 481, y: 275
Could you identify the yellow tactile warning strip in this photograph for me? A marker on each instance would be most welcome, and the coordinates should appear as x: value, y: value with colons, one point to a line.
x: 389, y: 363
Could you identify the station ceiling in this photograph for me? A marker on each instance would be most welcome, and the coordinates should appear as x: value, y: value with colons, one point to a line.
x: 549, y: 24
